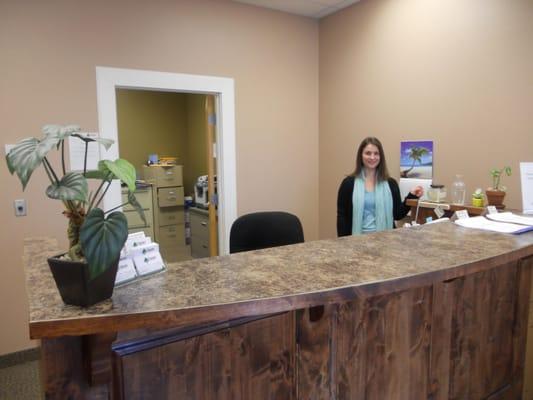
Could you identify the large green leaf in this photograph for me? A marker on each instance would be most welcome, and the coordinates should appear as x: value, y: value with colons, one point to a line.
x: 133, y: 201
x: 73, y: 186
x: 122, y: 170
x: 60, y: 132
x: 27, y: 155
x: 97, y: 174
x: 102, y: 239
x: 103, y: 141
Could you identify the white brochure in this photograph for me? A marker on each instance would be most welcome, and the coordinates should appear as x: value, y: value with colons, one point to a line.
x: 126, y: 271
x: 149, y: 263
x: 526, y: 180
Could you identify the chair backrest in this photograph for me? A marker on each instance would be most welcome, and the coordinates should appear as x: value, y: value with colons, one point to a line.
x: 261, y: 230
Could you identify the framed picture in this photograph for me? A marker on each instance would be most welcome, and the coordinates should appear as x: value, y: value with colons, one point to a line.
x: 416, y: 159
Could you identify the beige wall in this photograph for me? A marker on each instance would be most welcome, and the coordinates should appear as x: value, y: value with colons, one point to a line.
x: 196, y: 141
x: 457, y: 72
x: 151, y: 123
x: 47, y: 74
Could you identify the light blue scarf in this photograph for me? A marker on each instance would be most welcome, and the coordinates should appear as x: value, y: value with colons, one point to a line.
x: 383, y: 197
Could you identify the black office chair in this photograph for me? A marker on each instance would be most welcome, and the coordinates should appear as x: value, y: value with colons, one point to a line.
x: 261, y: 230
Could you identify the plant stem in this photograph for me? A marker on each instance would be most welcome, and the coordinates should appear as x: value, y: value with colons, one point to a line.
x: 47, y: 163
x: 117, y: 207
x: 92, y: 203
x: 63, y: 156
x: 85, y: 158
x: 103, y: 194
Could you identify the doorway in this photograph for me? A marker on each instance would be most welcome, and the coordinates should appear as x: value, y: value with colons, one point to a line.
x: 111, y: 79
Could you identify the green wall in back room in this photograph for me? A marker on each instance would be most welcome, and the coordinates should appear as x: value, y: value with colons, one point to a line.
x: 166, y: 124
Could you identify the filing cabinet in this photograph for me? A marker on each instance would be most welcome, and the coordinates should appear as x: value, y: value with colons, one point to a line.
x: 169, y: 220
x: 145, y: 198
x: 199, y: 232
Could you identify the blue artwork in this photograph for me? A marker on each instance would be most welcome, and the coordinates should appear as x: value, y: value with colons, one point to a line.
x: 416, y: 159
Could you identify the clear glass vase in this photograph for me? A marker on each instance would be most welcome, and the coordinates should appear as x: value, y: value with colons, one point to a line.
x: 458, y: 190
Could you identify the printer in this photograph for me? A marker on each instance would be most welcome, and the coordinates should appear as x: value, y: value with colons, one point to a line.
x: 201, y: 197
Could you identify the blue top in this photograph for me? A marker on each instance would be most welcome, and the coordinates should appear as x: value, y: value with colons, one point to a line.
x: 369, y: 212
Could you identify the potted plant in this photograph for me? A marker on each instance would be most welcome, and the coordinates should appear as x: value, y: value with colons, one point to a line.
x: 86, y: 273
x: 496, y: 193
x: 477, y: 198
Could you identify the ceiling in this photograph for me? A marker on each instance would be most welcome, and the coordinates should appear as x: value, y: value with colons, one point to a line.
x: 308, y: 8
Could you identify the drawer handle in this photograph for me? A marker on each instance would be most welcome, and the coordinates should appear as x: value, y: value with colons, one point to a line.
x: 171, y: 198
x: 203, y: 223
x: 204, y: 246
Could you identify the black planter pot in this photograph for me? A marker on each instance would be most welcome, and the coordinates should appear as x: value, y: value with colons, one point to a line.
x: 75, y: 288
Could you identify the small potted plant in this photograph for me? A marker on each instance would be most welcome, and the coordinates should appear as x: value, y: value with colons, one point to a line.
x: 477, y: 198
x: 86, y: 273
x: 496, y: 193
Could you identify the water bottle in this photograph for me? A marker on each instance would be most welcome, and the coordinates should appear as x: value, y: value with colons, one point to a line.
x: 458, y: 190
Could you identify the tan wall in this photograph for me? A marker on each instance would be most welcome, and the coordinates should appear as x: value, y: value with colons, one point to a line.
x: 196, y: 141
x: 47, y: 74
x: 151, y: 123
x: 457, y: 72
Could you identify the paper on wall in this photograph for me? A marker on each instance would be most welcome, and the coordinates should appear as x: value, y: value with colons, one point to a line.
x: 526, y: 180
x: 406, y: 184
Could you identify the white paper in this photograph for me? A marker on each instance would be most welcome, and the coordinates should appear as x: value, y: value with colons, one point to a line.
x: 481, y: 222
x: 406, y: 184
x: 126, y: 271
x: 526, y: 180
x: 148, y: 263
x: 77, y: 152
x: 512, y: 218
x: 148, y: 248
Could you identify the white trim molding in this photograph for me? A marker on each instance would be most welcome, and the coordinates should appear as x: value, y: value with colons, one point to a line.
x: 109, y: 79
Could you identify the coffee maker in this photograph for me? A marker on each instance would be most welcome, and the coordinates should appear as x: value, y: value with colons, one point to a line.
x: 201, y: 197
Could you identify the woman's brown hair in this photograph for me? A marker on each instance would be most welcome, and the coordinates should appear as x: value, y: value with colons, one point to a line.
x: 382, y: 173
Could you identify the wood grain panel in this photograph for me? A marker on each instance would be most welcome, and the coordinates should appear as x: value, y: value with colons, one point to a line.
x: 62, y: 372
x: 482, y: 332
x: 315, y: 341
x: 253, y: 360
x: 441, y: 337
x: 525, y: 273
x: 366, y: 349
x: 397, y: 346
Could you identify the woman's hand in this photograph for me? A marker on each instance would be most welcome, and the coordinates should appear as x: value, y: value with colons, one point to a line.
x: 418, y: 191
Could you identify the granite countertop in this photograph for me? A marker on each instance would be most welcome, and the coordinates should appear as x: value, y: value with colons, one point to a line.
x: 270, y: 280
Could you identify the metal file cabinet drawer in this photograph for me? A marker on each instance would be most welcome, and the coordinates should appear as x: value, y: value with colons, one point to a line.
x: 143, y: 196
x: 171, y: 235
x: 162, y: 176
x: 148, y: 231
x: 199, y: 233
x: 135, y: 220
x: 170, y: 197
x: 200, y: 226
x: 171, y: 216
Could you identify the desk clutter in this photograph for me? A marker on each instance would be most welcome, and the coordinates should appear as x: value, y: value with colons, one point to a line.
x: 139, y: 257
x: 505, y: 222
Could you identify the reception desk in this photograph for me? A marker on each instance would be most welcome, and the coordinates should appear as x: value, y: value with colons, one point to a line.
x: 432, y: 312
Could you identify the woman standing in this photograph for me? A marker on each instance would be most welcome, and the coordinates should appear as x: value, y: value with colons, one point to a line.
x: 369, y: 199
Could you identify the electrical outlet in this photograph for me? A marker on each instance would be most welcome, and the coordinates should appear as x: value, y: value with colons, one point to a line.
x: 20, y: 207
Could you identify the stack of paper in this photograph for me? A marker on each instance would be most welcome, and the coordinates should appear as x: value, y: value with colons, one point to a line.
x: 140, y: 256
x: 512, y: 218
x: 481, y: 222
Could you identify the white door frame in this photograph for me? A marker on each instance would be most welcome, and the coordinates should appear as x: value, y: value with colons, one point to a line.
x: 109, y: 79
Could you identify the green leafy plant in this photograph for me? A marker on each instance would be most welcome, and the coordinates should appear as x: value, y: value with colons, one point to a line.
x: 94, y: 235
x: 497, y: 175
x: 478, y: 194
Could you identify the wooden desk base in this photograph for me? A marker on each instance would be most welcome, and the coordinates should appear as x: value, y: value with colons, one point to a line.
x: 461, y: 338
